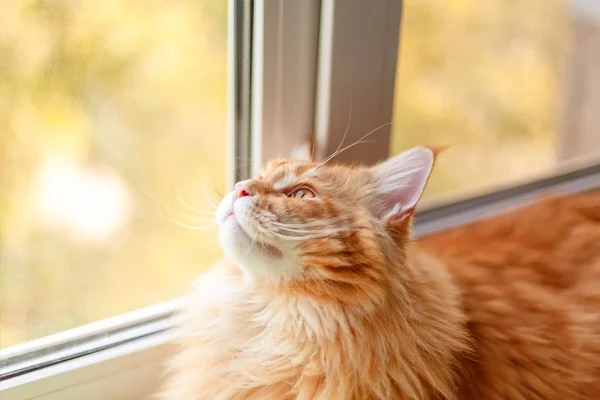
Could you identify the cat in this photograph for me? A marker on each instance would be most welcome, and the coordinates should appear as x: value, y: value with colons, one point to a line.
x: 325, y: 295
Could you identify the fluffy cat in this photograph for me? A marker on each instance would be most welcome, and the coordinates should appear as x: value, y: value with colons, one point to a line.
x: 324, y: 296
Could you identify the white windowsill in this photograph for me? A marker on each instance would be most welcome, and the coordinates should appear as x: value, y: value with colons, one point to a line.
x: 123, y: 354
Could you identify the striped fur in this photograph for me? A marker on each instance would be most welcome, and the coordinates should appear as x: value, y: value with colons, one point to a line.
x: 327, y: 298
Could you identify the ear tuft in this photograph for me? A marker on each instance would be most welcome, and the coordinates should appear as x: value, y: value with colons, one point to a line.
x: 400, y: 181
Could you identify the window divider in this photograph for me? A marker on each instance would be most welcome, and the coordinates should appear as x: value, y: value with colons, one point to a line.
x: 284, y: 72
x: 358, y: 55
x: 239, y: 64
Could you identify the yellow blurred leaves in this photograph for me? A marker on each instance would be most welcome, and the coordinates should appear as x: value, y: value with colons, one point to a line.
x: 484, y: 76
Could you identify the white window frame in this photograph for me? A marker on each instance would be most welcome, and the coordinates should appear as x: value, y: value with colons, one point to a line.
x: 116, y: 358
x: 290, y: 65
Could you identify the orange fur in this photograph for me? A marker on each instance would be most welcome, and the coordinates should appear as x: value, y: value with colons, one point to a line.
x: 504, y: 309
x: 530, y: 283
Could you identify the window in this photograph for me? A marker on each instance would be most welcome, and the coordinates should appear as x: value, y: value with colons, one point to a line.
x: 127, y: 120
x: 116, y: 121
x: 494, y: 79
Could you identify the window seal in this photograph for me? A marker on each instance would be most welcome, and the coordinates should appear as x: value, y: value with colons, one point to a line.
x: 89, y: 339
x: 574, y: 176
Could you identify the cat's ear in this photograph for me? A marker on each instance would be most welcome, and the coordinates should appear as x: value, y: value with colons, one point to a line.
x: 400, y: 181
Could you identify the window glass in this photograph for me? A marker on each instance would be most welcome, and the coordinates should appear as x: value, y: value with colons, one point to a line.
x: 113, y: 119
x: 496, y: 80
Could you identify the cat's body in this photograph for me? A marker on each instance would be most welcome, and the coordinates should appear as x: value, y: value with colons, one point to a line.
x: 504, y: 310
x: 233, y: 350
x: 530, y: 285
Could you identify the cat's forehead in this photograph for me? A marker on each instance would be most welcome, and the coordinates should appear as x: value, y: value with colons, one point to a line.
x: 282, y: 173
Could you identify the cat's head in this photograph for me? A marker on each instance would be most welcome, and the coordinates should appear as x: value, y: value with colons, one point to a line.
x: 301, y: 221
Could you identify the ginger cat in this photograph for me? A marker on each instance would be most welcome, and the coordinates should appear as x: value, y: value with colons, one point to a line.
x: 324, y: 296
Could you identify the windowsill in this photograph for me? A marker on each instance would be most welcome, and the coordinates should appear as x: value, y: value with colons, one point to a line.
x: 117, y: 351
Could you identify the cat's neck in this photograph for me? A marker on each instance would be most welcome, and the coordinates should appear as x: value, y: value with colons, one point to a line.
x: 415, y: 332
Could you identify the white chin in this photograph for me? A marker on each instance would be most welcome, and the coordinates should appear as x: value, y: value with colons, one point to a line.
x: 234, y: 240
x: 252, y: 257
x: 256, y: 259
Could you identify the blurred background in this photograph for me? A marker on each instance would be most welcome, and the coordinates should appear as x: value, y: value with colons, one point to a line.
x: 113, y: 131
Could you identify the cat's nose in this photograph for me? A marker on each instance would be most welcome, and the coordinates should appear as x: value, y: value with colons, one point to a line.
x: 242, y: 189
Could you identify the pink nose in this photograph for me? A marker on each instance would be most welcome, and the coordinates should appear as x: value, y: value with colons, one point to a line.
x: 242, y: 189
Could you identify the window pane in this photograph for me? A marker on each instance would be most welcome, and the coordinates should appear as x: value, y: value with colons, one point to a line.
x: 491, y: 78
x: 113, y: 116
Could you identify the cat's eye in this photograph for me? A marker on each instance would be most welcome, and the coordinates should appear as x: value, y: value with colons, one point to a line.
x: 302, y: 193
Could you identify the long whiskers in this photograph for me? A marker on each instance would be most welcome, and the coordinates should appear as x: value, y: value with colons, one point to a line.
x: 194, y: 219
x: 317, y: 235
x: 312, y: 153
x: 312, y: 224
x: 359, y: 141
x: 306, y: 230
x: 193, y: 227
x: 175, y: 219
x: 252, y: 243
x: 207, y: 197
x: 177, y: 215
x: 188, y: 206
x: 347, y: 124
x: 314, y: 232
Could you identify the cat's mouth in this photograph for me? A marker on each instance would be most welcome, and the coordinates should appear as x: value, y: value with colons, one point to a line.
x: 254, y: 238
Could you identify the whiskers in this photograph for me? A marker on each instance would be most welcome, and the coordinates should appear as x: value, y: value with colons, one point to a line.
x: 194, y: 209
x: 204, y: 217
x: 306, y: 230
x: 177, y: 215
x: 185, y: 215
x: 252, y: 243
x: 339, y: 150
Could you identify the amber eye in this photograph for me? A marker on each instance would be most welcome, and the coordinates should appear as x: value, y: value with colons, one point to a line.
x: 302, y: 193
